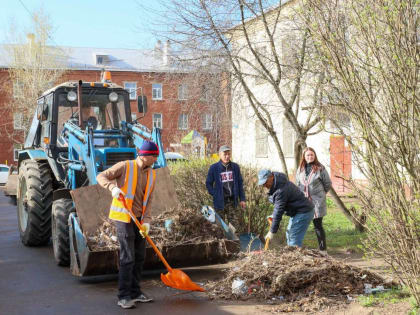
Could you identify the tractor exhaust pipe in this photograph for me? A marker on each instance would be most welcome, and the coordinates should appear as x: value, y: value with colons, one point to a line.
x: 79, y: 102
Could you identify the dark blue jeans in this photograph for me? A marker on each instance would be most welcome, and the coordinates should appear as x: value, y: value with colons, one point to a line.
x: 132, y: 255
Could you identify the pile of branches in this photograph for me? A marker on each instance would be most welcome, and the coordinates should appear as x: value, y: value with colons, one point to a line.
x: 187, y: 226
x: 294, y: 279
x: 105, y: 238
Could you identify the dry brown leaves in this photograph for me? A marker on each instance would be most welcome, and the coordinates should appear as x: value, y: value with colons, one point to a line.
x: 188, y: 227
x: 105, y: 238
x: 295, y: 279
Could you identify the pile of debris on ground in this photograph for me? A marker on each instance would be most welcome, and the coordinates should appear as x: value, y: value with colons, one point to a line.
x: 175, y: 227
x: 294, y: 279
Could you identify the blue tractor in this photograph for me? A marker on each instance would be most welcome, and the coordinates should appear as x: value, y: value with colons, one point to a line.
x: 80, y: 129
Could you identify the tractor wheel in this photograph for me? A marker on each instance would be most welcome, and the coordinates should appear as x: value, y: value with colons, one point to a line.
x: 61, y: 210
x: 34, y: 199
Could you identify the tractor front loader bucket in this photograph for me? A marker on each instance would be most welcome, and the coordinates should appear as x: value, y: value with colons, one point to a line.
x: 92, y: 208
x: 92, y: 205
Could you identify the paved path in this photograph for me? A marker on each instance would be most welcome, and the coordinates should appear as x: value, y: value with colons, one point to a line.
x: 31, y: 283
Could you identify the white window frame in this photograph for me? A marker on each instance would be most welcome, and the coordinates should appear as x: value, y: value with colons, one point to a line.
x: 157, y: 91
x: 204, y: 93
x: 17, y: 121
x: 207, y: 121
x: 18, y: 89
x: 132, y: 90
x: 261, y: 140
x: 15, y: 154
x: 157, y: 120
x: 101, y: 60
x: 16, y: 148
x: 289, y: 138
x: 182, y: 92
x: 261, y: 53
x: 184, y: 121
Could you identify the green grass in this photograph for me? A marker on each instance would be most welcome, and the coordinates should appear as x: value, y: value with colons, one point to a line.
x: 382, y: 298
x: 340, y: 233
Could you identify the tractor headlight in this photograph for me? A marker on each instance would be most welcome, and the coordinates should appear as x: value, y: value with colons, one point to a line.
x: 113, y: 97
x: 72, y: 96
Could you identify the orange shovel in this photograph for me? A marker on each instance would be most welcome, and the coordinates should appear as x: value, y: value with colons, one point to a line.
x: 175, y: 278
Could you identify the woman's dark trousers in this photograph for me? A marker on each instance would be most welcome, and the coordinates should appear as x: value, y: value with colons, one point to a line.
x: 320, y: 233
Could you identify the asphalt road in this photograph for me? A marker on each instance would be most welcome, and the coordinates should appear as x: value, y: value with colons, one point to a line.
x: 31, y: 283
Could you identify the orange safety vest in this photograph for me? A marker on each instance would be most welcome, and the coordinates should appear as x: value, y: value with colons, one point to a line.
x: 117, y: 211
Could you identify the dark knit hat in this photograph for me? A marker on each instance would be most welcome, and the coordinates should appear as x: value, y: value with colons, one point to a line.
x: 148, y: 148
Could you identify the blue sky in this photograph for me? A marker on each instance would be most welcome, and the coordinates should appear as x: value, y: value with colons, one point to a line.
x: 87, y: 23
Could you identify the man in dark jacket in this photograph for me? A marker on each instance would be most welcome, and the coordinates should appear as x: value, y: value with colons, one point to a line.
x: 224, y: 183
x: 287, y: 199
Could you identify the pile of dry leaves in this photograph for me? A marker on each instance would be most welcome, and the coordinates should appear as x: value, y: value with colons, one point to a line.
x: 187, y: 226
x: 105, y: 238
x: 295, y: 279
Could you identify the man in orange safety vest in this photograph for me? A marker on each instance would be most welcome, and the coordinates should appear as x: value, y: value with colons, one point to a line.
x: 134, y: 180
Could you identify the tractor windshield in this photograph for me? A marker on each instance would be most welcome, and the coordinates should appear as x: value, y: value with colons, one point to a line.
x: 97, y: 110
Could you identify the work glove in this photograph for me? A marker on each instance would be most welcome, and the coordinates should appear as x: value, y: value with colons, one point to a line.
x: 145, y: 229
x: 269, y: 236
x: 116, y: 192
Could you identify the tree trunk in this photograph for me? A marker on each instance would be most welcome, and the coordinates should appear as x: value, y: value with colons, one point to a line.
x: 281, y: 154
x: 357, y: 224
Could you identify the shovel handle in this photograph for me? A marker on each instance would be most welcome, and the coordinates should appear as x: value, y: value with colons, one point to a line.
x: 148, y: 239
x: 266, y: 244
x: 270, y: 221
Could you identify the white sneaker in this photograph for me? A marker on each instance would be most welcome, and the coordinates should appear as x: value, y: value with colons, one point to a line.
x: 143, y: 298
x: 124, y: 303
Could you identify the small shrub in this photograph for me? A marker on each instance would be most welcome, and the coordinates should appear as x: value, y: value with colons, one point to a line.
x: 190, y: 184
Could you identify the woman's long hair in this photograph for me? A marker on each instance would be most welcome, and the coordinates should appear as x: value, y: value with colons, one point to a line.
x: 316, y: 165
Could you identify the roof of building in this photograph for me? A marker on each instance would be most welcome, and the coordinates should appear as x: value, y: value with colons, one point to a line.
x: 159, y: 59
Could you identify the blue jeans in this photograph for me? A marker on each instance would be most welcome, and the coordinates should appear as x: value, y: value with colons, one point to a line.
x: 298, y: 225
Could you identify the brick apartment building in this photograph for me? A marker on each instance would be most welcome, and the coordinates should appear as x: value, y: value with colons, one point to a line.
x: 178, y: 101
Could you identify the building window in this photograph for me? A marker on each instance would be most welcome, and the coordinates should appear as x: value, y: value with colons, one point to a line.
x: 15, y: 154
x: 204, y: 96
x: 157, y: 91
x: 289, y: 138
x: 183, y: 122
x: 131, y: 87
x: 290, y: 55
x: 261, y: 140
x: 17, y: 121
x: 157, y: 120
x: 207, y: 122
x: 18, y: 89
x: 16, y: 149
x: 101, y: 59
x: 262, y: 55
x: 182, y: 92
